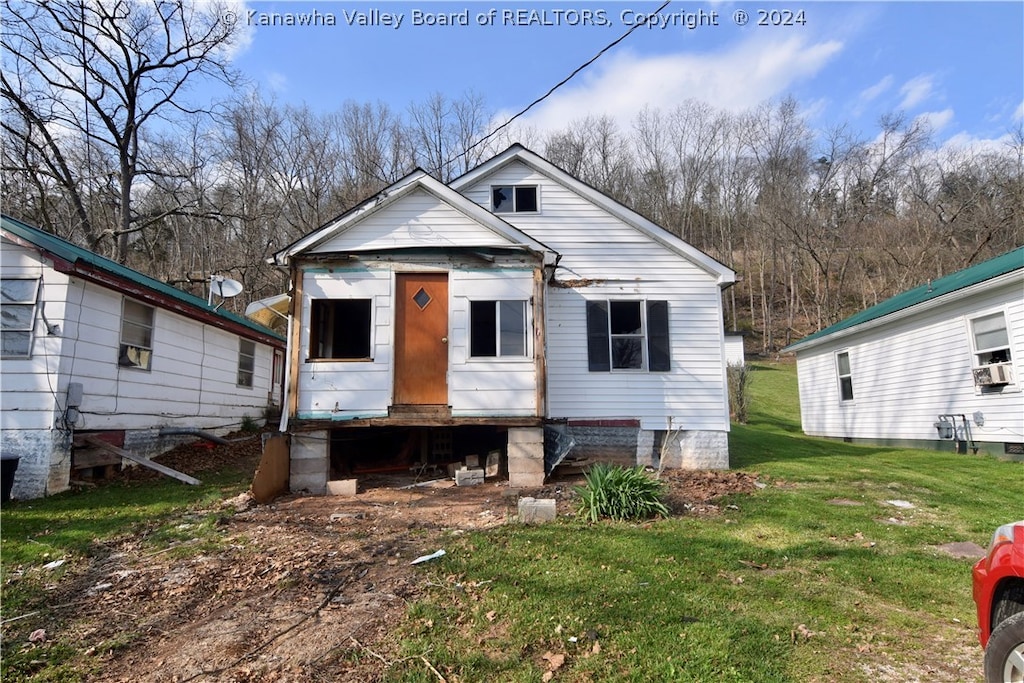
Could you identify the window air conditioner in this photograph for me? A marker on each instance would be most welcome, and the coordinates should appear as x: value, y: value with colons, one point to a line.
x: 993, y: 375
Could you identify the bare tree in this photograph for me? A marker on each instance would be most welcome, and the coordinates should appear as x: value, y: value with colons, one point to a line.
x: 94, y: 76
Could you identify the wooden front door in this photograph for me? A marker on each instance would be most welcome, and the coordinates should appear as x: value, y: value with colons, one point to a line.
x: 421, y: 339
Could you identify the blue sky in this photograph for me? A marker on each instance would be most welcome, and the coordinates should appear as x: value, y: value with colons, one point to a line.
x: 958, y: 65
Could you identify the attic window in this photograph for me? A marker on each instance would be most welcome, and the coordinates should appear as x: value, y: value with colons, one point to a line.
x: 514, y: 199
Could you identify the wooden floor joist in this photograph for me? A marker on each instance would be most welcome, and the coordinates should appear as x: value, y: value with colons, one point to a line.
x: 145, y: 462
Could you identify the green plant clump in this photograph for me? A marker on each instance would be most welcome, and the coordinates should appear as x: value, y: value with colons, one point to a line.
x: 620, y: 493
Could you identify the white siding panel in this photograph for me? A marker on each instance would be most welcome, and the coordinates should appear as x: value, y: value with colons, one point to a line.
x: 417, y: 220
x: 907, y: 373
x: 624, y: 263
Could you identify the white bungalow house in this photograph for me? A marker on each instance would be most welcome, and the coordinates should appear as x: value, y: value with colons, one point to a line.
x: 434, y: 321
x: 939, y: 366
x: 92, y: 348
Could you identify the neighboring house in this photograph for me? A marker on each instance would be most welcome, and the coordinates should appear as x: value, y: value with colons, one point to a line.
x: 941, y: 365
x: 93, y: 348
x: 438, y: 321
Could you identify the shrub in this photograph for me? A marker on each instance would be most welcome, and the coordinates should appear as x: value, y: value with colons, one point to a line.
x: 739, y: 391
x: 621, y: 493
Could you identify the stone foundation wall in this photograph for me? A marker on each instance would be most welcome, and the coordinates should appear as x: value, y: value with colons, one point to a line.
x: 691, y: 450
x: 44, y: 465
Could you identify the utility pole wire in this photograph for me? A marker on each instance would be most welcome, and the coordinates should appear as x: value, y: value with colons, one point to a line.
x: 558, y: 85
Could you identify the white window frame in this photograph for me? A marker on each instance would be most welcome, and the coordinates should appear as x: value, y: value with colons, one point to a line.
x: 515, y: 202
x: 848, y: 376
x: 648, y: 337
x: 992, y: 354
x: 130, y: 353
x: 497, y: 330
x: 18, y: 329
x: 246, y: 352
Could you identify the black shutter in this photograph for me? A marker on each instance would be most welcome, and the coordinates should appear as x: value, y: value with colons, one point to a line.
x: 598, y: 355
x: 659, y: 352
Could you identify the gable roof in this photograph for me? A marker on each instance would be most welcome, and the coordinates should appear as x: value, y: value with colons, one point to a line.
x: 724, y: 275
x: 73, y: 259
x: 931, y: 291
x: 417, y: 180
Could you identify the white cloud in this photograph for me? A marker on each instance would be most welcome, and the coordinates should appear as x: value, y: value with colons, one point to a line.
x: 871, y: 93
x: 734, y: 80
x: 916, y: 91
x: 1018, y: 115
x: 936, y: 120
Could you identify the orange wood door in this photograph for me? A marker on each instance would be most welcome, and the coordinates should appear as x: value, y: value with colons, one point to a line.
x: 421, y: 339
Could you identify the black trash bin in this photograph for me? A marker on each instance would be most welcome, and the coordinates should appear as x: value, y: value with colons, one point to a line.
x: 8, y: 466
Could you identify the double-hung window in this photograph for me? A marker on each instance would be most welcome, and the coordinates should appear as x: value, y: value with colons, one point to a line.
x: 497, y: 329
x: 18, y: 315
x: 845, y: 375
x: 628, y: 335
x: 340, y: 329
x: 246, y: 362
x: 991, y: 339
x: 136, y: 350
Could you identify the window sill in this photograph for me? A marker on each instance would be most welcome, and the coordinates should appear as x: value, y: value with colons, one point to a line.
x: 339, y: 360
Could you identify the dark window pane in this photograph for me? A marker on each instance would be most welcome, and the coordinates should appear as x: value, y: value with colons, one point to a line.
x: 625, y: 317
x: 482, y: 334
x: 501, y: 200
x: 340, y: 328
x: 658, y: 347
x: 627, y: 353
x: 846, y: 388
x: 598, y: 358
x: 526, y: 199
x: 15, y: 343
x: 513, y: 328
x: 844, y: 364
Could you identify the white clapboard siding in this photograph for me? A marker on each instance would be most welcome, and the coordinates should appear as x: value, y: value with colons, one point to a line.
x: 30, y: 386
x: 418, y: 220
x: 624, y: 263
x: 907, y: 373
x: 346, y: 389
x: 341, y: 390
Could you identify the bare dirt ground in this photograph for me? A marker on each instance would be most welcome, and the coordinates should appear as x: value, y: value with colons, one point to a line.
x: 304, y: 589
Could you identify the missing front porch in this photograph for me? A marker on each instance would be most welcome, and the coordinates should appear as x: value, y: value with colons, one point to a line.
x: 434, y: 450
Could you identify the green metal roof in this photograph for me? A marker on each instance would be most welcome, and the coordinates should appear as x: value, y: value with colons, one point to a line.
x: 75, y: 254
x: 976, y: 274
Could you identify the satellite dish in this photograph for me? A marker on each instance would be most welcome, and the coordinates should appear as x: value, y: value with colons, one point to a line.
x: 224, y: 287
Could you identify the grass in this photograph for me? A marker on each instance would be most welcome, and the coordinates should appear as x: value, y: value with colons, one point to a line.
x: 787, y: 585
x: 784, y: 585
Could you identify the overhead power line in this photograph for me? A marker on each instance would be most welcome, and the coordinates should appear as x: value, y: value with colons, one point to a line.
x: 558, y: 85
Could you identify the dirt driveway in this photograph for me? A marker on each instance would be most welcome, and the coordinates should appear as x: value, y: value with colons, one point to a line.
x: 304, y: 589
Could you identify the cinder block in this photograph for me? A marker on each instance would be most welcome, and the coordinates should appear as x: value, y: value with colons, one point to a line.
x: 315, y: 484
x: 536, y: 510
x: 308, y: 467
x: 523, y: 466
x: 469, y: 477
x: 525, y: 481
x: 525, y: 451
x: 526, y: 435
x: 342, y: 487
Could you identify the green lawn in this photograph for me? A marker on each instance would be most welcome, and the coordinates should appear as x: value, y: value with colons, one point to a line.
x: 784, y: 585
